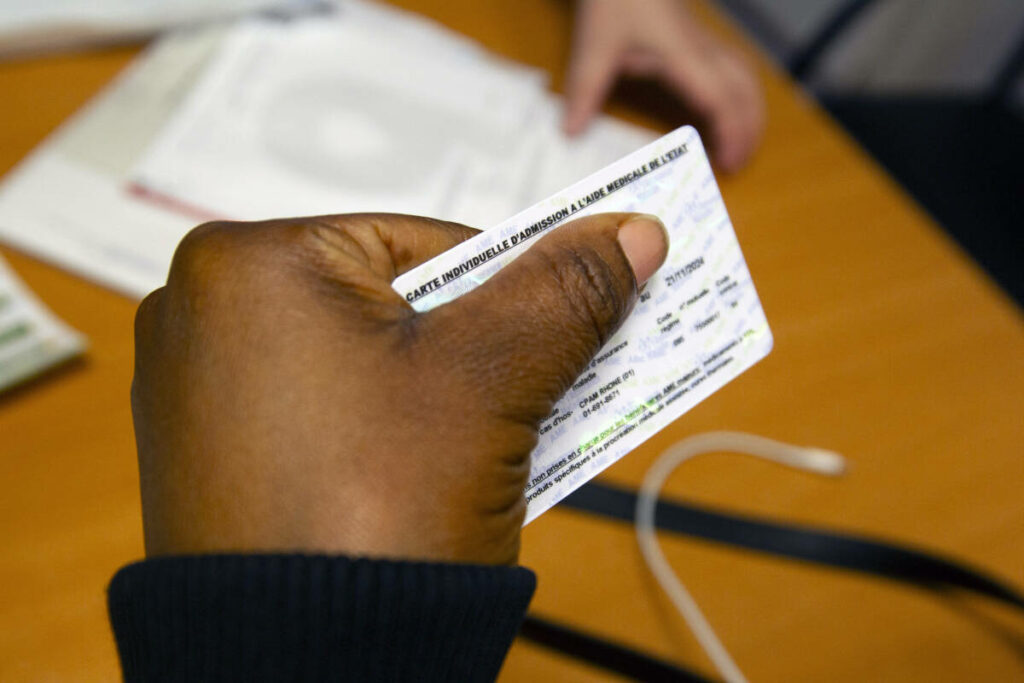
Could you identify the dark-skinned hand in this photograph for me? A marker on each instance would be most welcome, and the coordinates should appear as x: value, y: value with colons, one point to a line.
x: 287, y: 399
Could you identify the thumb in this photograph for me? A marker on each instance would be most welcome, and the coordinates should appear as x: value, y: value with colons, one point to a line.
x: 527, y: 333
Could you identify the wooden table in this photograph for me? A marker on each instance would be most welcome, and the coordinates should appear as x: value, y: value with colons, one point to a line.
x: 891, y: 347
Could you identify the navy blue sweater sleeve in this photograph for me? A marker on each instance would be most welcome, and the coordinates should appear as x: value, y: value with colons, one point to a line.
x: 314, y: 618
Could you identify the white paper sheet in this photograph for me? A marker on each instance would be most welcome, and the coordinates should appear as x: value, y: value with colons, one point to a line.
x: 328, y: 115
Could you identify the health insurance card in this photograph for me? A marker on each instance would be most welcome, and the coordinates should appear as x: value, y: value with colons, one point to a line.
x: 698, y: 323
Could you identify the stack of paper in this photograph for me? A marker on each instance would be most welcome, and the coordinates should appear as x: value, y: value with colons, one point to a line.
x: 68, y: 202
x: 31, y: 338
x: 365, y: 109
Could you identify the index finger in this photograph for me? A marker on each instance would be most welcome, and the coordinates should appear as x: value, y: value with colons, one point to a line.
x: 392, y: 244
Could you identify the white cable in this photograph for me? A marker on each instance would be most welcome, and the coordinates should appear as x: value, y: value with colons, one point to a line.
x: 810, y: 459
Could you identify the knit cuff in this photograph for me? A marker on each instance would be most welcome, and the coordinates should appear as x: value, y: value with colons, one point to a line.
x: 295, y: 617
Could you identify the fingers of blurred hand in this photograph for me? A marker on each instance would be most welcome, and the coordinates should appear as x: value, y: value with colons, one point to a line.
x: 722, y: 90
x: 529, y: 331
x: 750, y: 107
x: 593, y: 66
x: 663, y: 38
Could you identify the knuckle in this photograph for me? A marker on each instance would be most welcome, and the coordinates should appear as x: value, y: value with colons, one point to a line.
x: 215, y: 254
x: 202, y: 238
x: 199, y: 253
x: 594, y: 294
x: 146, y: 313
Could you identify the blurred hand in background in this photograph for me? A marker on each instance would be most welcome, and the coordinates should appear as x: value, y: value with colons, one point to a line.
x: 661, y: 39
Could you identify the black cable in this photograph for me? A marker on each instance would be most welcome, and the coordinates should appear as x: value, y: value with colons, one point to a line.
x: 818, y: 546
x: 604, y: 653
x: 829, y: 548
